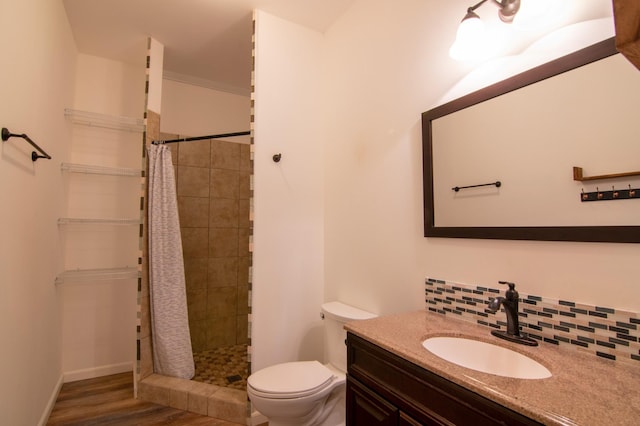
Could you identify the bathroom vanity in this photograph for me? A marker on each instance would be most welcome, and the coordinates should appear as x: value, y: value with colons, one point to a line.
x: 393, y: 380
x: 385, y: 389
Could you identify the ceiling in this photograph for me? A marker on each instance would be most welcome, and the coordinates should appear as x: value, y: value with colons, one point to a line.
x: 206, y: 40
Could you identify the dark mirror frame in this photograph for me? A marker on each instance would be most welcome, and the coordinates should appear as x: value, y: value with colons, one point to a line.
x: 618, y: 234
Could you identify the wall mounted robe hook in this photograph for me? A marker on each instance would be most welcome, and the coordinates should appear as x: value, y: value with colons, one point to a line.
x: 277, y: 158
x: 613, y: 194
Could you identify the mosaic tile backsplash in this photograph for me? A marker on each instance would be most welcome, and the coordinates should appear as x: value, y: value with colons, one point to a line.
x: 606, y: 332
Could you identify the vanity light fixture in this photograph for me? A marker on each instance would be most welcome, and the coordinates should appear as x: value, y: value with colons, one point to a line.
x: 471, y: 33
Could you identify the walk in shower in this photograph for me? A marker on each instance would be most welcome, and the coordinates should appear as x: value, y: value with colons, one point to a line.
x: 213, y: 191
x: 213, y: 194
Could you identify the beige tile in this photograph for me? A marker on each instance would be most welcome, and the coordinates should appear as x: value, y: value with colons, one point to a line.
x: 193, y: 181
x: 223, y: 242
x: 225, y: 155
x: 179, y: 399
x: 242, y: 327
x: 145, y: 391
x: 193, y: 212
x: 197, y: 303
x: 173, y: 147
x: 223, y: 272
x: 221, y: 331
x: 195, y: 242
x: 243, y: 241
x: 158, y: 380
x: 145, y: 320
x: 243, y: 271
x: 166, y: 136
x: 221, y: 302
x: 224, y: 183
x: 243, y: 300
x: 195, y: 153
x: 153, y: 126
x: 228, y: 404
x: 244, y: 213
x: 198, y: 331
x: 179, y: 393
x: 223, y: 213
x: 154, y: 389
x: 199, y: 397
x: 244, y: 185
x: 196, y: 272
x: 146, y: 357
x: 245, y: 157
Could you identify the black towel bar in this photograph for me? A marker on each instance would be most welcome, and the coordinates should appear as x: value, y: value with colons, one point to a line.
x: 6, y: 134
x: 497, y: 184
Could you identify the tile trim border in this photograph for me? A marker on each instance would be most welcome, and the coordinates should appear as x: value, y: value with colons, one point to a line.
x: 602, y: 331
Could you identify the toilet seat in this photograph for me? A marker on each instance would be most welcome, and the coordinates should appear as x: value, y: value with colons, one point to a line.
x: 290, y: 380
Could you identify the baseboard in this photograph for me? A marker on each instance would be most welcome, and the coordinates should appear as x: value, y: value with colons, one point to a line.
x: 103, y: 370
x: 52, y: 401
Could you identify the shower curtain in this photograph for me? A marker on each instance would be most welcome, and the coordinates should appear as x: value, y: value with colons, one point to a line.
x: 172, y: 352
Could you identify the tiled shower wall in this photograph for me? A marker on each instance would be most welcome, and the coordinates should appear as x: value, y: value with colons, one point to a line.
x: 603, y: 331
x: 212, y: 178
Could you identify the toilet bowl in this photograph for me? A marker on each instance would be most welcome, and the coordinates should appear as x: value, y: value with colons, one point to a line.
x: 294, y: 393
x: 308, y: 393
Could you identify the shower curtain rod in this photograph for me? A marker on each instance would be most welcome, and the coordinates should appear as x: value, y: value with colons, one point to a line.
x: 199, y: 138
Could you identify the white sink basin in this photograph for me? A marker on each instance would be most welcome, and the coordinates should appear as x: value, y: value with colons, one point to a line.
x: 486, y: 357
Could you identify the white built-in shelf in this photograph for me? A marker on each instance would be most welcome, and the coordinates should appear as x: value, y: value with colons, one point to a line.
x: 100, y: 170
x: 98, y: 274
x: 98, y: 221
x: 129, y: 124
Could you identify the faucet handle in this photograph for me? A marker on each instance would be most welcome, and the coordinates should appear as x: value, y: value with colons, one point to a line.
x: 511, y: 294
x: 512, y: 286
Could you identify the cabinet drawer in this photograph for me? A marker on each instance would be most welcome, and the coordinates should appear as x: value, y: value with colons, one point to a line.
x: 366, y: 408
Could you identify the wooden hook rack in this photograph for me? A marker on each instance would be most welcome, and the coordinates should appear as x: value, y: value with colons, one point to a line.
x: 577, y: 175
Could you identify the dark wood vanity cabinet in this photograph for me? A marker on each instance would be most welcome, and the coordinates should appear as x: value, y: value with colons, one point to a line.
x: 385, y: 389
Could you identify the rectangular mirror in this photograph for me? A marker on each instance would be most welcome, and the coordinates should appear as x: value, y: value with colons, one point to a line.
x: 528, y: 133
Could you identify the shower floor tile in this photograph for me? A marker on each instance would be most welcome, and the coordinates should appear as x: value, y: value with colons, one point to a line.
x: 226, y: 366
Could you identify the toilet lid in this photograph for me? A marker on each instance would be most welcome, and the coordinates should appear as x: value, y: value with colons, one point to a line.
x: 291, y: 379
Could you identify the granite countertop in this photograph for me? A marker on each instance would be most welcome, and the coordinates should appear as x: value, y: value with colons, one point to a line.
x: 583, y: 390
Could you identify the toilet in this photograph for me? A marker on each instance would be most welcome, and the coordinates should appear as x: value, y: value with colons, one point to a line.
x: 308, y: 393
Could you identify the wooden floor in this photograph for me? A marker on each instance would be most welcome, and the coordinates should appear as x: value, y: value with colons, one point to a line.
x: 109, y: 401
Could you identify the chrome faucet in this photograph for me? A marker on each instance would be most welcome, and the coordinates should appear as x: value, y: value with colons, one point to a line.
x: 510, y: 303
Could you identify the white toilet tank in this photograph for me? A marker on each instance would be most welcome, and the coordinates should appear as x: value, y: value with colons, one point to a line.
x: 335, y: 315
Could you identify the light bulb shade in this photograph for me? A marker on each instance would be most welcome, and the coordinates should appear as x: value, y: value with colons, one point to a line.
x: 470, y: 28
x: 469, y: 38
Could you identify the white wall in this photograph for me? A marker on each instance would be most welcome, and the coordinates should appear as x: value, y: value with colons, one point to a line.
x: 99, y: 316
x: 288, y: 239
x: 110, y: 87
x: 38, y: 67
x: 386, y: 64
x: 190, y: 110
